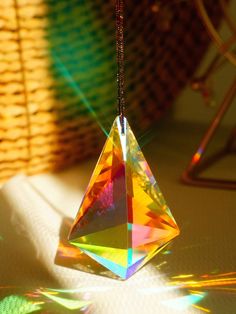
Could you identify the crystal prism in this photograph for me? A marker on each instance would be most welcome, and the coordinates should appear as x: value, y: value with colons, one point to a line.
x: 123, y: 220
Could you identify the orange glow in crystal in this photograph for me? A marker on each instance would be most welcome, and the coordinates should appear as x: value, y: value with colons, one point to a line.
x: 123, y: 220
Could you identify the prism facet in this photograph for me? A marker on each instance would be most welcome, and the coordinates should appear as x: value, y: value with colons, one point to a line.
x: 123, y: 220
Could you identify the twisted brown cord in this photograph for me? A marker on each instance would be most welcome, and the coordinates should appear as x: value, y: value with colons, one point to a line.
x: 120, y: 59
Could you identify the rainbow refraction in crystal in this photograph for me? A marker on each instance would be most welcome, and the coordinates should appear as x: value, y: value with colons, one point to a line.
x: 123, y: 220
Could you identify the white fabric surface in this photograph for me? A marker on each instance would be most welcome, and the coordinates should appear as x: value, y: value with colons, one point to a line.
x: 30, y: 229
x: 32, y: 210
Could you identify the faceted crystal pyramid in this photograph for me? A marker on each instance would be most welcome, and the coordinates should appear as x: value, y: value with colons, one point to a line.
x: 123, y: 220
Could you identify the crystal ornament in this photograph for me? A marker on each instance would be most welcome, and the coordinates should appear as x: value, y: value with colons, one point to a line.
x: 123, y: 220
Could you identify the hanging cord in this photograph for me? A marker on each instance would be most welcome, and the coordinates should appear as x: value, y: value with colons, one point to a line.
x: 120, y: 60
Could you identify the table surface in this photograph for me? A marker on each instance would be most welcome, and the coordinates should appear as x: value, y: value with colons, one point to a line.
x: 201, y: 262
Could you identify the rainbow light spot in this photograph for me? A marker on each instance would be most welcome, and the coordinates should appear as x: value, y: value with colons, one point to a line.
x: 197, y: 156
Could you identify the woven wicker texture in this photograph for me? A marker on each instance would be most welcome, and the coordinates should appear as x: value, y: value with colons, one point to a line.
x: 58, y: 74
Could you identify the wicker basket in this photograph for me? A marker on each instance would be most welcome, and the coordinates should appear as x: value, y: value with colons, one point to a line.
x: 58, y: 74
